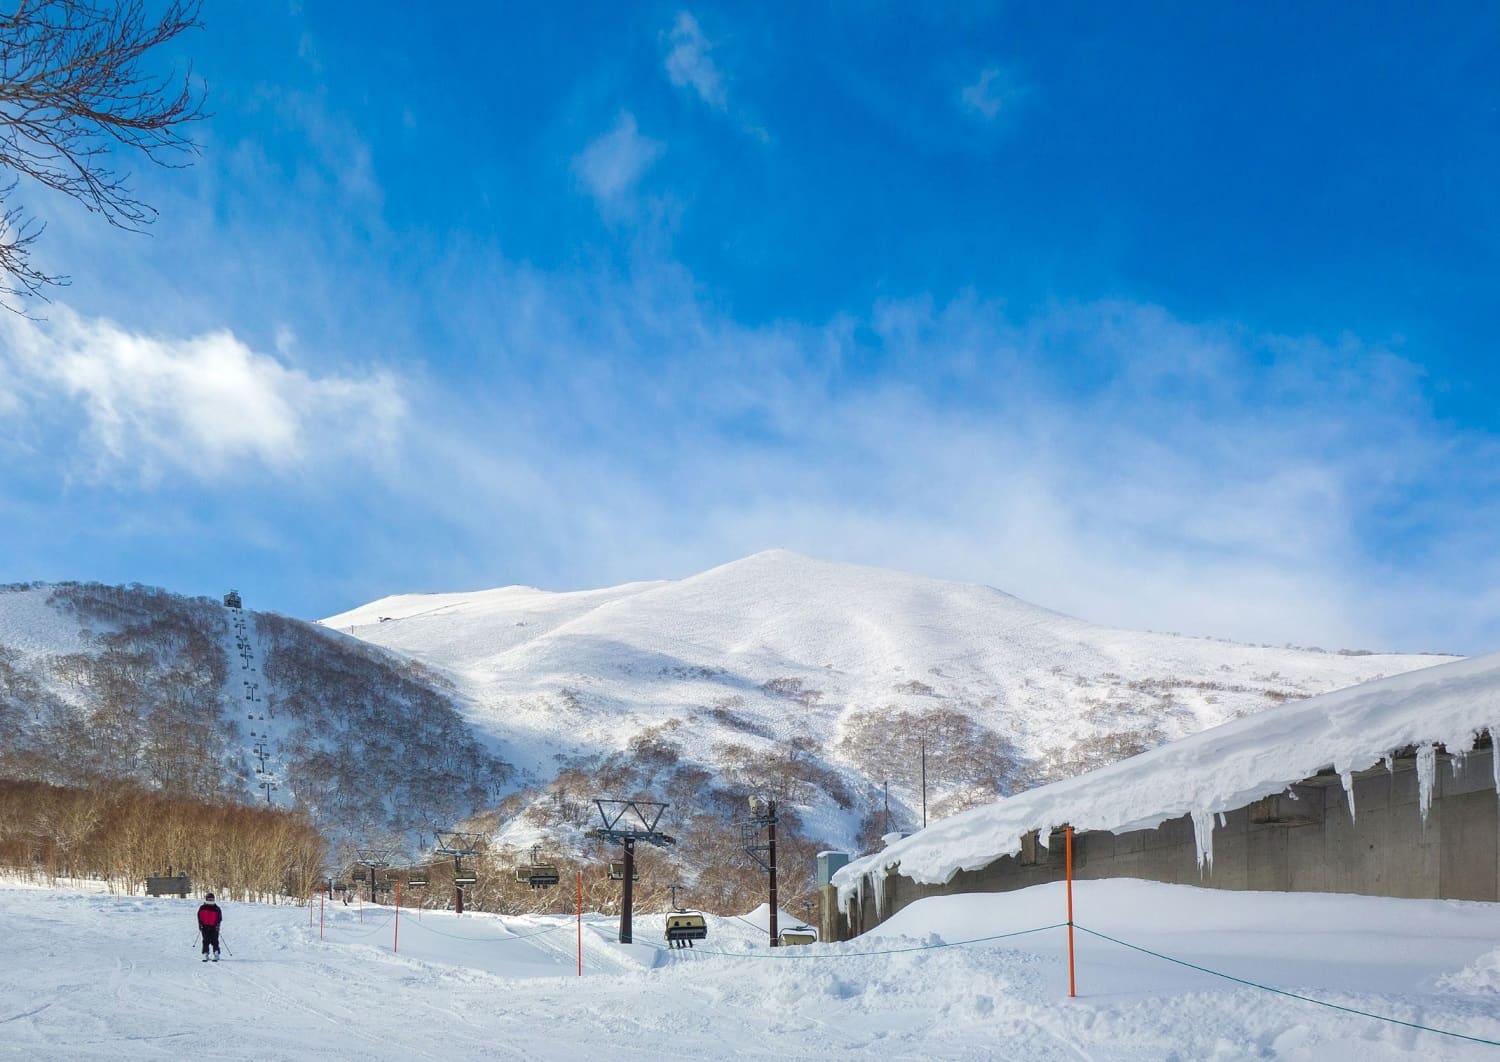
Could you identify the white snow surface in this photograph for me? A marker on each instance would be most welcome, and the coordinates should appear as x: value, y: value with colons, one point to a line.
x: 1218, y: 770
x: 551, y: 674
x: 100, y: 977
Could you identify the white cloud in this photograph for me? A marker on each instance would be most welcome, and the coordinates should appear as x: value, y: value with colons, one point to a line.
x: 989, y: 95
x: 208, y: 406
x: 1107, y: 459
x: 611, y: 166
x: 689, y: 64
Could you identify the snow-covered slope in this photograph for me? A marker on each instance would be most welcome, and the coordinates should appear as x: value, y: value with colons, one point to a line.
x: 780, y: 646
x: 101, y: 685
x: 118, y: 979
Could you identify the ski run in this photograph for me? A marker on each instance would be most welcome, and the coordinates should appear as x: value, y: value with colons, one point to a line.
x: 98, y: 976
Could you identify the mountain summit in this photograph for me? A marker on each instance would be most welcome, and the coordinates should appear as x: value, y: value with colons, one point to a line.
x: 845, y: 661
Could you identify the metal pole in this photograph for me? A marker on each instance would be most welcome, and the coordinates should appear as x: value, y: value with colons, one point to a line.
x: 771, y: 807
x: 625, y: 927
x: 1072, y: 983
x: 924, y: 781
x: 580, y: 923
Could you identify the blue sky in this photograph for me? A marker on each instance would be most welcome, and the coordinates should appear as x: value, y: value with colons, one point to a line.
x: 1180, y: 319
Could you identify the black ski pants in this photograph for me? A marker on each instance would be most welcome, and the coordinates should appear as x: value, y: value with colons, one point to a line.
x: 210, y: 938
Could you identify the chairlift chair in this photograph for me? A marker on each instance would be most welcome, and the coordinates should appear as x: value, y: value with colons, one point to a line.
x: 684, y: 927
x: 617, y: 872
x: 537, y: 874
x: 798, y: 935
x: 417, y: 881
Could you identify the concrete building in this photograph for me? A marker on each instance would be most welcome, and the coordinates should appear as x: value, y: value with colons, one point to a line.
x: 1384, y: 789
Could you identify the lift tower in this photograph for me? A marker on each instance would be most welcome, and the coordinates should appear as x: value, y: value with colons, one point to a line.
x: 625, y: 823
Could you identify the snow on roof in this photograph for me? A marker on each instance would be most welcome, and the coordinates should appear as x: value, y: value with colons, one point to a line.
x: 1216, y: 770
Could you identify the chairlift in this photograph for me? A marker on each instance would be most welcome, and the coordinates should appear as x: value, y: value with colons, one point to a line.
x: 683, y: 926
x: 798, y: 935
x: 360, y: 875
x: 340, y: 886
x: 617, y: 872
x: 463, y: 877
x: 417, y: 881
x: 537, y: 874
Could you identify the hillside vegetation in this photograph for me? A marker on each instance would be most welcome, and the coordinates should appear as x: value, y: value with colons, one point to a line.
x: 832, y: 688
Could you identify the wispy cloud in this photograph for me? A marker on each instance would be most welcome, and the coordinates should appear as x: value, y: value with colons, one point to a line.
x: 139, y: 406
x: 611, y: 166
x: 1191, y: 478
x: 689, y: 64
x: 990, y: 94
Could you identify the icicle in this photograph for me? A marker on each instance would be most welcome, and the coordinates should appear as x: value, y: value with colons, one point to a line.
x: 1426, y: 770
x: 1495, y: 758
x: 1203, y: 837
x: 1223, y: 820
x: 1347, y: 777
x: 1389, y: 759
x: 878, y: 881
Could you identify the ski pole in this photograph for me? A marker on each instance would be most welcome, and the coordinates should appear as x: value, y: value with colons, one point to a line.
x: 225, y: 945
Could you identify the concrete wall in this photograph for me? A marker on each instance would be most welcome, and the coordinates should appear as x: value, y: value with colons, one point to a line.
x: 1385, y: 850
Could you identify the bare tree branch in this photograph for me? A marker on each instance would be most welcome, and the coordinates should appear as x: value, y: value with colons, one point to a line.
x: 73, y: 91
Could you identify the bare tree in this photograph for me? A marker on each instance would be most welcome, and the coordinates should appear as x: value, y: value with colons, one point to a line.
x: 73, y: 89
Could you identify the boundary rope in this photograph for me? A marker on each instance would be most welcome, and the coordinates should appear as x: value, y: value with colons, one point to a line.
x: 798, y: 953
x: 1284, y: 992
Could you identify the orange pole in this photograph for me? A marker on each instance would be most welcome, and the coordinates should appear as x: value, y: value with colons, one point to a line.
x: 580, y: 923
x: 396, y: 933
x: 309, y: 910
x: 1072, y: 981
x: 320, y: 916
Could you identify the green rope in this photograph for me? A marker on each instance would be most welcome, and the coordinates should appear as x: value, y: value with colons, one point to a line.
x: 1284, y: 992
x: 364, y: 932
x: 798, y: 953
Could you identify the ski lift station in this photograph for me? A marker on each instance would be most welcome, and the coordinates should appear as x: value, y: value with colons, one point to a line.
x: 1383, y: 789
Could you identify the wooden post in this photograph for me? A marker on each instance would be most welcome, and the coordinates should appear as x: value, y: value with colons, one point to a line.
x: 580, y: 923
x: 1072, y: 981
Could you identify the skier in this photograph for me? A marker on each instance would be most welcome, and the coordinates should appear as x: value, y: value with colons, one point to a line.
x: 209, y: 920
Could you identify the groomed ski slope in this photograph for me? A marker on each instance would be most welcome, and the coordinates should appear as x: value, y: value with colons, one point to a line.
x: 90, y: 976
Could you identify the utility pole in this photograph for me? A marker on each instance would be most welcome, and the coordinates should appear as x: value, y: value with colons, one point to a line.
x: 763, y: 815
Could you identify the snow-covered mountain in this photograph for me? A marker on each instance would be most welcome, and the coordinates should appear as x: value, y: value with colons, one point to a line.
x: 103, y: 684
x: 847, y: 670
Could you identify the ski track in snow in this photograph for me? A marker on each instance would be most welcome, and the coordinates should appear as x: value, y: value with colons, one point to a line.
x: 92, y: 976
